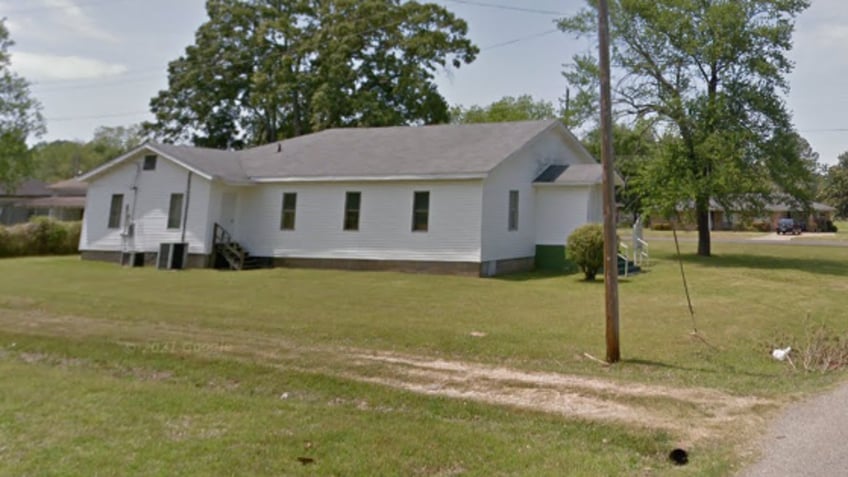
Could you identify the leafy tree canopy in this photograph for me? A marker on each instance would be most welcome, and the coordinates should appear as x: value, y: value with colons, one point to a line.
x: 709, y: 73
x: 634, y: 145
x: 20, y: 118
x: 57, y: 160
x: 508, y: 108
x: 262, y: 70
x: 834, y: 190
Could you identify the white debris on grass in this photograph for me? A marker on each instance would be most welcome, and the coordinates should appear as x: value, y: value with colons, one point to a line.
x: 781, y: 354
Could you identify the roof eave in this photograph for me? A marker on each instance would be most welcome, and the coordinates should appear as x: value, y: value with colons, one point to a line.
x: 98, y: 171
x: 385, y: 178
x: 568, y: 183
x: 618, y: 182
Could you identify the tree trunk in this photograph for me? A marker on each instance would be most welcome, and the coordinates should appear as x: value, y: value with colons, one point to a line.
x: 702, y: 213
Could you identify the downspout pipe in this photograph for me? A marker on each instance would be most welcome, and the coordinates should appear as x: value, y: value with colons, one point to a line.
x: 185, y: 206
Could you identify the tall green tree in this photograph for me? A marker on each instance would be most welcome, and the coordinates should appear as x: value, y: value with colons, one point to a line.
x: 263, y: 70
x: 634, y: 145
x: 508, y: 108
x: 116, y: 140
x: 834, y: 190
x: 20, y: 118
x: 710, y: 73
x: 57, y: 160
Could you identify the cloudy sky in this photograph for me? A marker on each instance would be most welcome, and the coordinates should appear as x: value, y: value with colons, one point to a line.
x: 98, y: 62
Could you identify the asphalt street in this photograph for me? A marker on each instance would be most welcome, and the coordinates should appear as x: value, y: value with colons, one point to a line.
x: 809, y: 439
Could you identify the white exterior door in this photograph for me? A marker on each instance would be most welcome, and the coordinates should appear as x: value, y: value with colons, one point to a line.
x: 228, y: 210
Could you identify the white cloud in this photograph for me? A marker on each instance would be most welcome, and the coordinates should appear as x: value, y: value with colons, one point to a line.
x: 832, y: 34
x: 40, y: 67
x: 71, y: 16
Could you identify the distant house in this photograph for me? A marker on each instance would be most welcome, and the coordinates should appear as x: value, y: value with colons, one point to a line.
x: 13, y: 208
x: 63, y: 200
x: 67, y: 201
x: 814, y: 218
x: 477, y: 199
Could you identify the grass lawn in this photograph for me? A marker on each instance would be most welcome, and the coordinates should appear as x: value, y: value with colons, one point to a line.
x: 134, y: 371
x: 693, y: 234
x: 840, y: 236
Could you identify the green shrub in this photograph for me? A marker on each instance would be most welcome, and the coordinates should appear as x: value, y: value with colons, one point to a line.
x: 761, y: 226
x: 6, y: 245
x: 72, y: 241
x: 46, y: 236
x: 14, y: 240
x: 42, y: 236
x: 585, y: 248
x: 829, y: 226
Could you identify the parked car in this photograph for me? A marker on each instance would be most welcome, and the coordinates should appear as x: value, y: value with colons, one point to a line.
x: 788, y: 226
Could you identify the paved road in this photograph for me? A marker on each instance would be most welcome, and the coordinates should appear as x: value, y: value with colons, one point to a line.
x: 810, y: 439
x: 759, y: 240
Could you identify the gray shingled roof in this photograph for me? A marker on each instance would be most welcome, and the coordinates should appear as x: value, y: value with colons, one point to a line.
x: 224, y: 165
x: 446, y: 151
x: 28, y: 188
x: 69, y: 187
x: 63, y: 202
x: 393, y: 151
x: 788, y: 207
x: 787, y: 204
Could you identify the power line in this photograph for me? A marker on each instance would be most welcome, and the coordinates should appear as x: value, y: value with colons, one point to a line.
x: 111, y: 82
x: 98, y: 116
x: 61, y: 85
x: 68, y: 7
x: 66, y: 82
x: 475, y: 3
x: 94, y: 83
x: 824, y: 130
x: 519, y: 40
x: 501, y: 6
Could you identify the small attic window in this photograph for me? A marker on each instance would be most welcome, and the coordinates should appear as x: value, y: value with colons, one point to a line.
x: 149, y: 163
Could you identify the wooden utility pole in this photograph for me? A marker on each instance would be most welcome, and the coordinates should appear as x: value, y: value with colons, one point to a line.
x: 610, y: 237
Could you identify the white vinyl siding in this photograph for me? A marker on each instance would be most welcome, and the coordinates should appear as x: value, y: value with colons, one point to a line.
x: 476, y: 220
x: 149, y: 206
x: 517, y: 174
x: 560, y: 210
x: 384, y: 221
x: 596, y: 204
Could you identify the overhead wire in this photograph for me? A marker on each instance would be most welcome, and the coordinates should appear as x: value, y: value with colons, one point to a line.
x: 81, y: 84
x: 518, y: 40
x: 61, y: 7
x: 58, y: 85
x: 107, y: 82
x: 97, y: 116
x: 501, y: 6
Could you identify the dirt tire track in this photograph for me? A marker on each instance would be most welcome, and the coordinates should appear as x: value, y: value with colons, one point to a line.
x: 691, y: 414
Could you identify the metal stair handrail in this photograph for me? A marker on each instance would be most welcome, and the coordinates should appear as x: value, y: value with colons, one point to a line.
x: 222, y: 241
x: 641, y: 255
